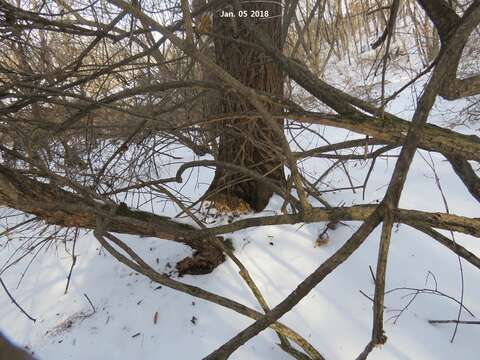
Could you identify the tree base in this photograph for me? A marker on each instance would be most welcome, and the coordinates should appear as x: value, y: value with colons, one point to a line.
x: 228, y: 204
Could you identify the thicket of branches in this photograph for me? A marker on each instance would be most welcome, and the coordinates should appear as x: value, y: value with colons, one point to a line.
x: 94, y: 93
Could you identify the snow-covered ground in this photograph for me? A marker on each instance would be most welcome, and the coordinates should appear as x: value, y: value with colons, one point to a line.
x: 136, y: 319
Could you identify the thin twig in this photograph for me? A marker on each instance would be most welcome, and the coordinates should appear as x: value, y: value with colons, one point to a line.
x: 90, y: 302
x: 15, y: 302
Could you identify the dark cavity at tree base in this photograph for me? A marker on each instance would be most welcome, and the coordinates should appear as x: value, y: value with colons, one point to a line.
x: 201, y: 262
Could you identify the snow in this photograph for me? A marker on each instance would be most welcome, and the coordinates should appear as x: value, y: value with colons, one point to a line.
x: 335, y: 317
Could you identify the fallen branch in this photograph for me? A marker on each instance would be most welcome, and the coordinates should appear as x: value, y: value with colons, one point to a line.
x: 136, y: 263
x: 454, y: 322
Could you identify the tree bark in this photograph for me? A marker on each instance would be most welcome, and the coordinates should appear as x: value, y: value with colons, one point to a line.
x: 249, y: 143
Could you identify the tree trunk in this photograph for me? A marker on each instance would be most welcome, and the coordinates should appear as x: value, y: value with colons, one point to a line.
x: 246, y: 142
